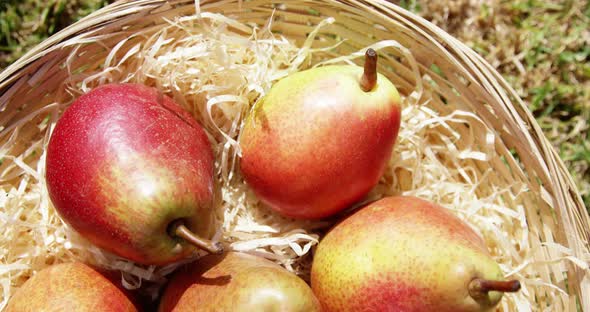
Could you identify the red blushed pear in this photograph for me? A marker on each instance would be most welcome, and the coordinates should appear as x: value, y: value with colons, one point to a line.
x: 70, y: 287
x: 132, y: 172
x: 320, y: 139
x: 236, y: 282
x: 406, y: 254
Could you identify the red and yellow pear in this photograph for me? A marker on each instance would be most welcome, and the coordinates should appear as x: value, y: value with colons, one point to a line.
x: 406, y: 254
x: 70, y: 287
x: 320, y: 139
x: 236, y: 282
x: 132, y: 172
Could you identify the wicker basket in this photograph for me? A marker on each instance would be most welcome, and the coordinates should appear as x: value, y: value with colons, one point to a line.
x: 556, y: 225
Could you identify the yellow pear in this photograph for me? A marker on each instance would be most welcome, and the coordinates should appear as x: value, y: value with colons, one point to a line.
x: 406, y: 254
x: 237, y: 282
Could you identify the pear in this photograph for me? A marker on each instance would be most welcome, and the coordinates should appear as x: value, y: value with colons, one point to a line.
x: 132, y: 172
x: 71, y: 287
x: 236, y: 282
x: 406, y: 254
x: 320, y: 139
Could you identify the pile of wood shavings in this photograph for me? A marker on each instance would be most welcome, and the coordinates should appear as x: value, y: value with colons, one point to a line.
x: 217, y: 68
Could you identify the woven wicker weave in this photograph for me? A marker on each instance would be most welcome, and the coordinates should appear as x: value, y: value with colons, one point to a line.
x: 463, y: 80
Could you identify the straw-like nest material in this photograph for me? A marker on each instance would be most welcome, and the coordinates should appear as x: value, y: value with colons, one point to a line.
x: 466, y: 142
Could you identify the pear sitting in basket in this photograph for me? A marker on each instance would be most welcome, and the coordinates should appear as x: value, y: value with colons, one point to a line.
x: 406, y: 254
x: 133, y: 173
x: 236, y: 282
x: 320, y: 139
x: 73, y: 286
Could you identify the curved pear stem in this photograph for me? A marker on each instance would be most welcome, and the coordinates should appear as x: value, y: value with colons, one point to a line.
x: 180, y: 230
x: 369, y: 78
x: 479, y: 287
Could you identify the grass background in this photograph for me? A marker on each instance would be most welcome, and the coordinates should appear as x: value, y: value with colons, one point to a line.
x: 542, y: 47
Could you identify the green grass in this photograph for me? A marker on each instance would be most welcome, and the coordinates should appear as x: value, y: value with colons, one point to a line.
x: 541, y: 47
x: 25, y: 23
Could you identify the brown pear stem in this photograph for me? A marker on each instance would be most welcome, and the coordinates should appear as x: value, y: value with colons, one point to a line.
x: 479, y: 287
x: 180, y: 230
x: 369, y: 78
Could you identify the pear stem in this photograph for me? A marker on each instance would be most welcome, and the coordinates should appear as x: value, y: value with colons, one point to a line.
x: 479, y: 287
x: 180, y: 230
x: 369, y: 78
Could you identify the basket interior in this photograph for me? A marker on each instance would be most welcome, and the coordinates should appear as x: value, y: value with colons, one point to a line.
x: 458, y: 113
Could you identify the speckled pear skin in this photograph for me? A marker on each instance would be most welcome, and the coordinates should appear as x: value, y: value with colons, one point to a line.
x: 69, y: 287
x: 317, y: 143
x: 402, y: 254
x: 236, y: 282
x: 123, y: 162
